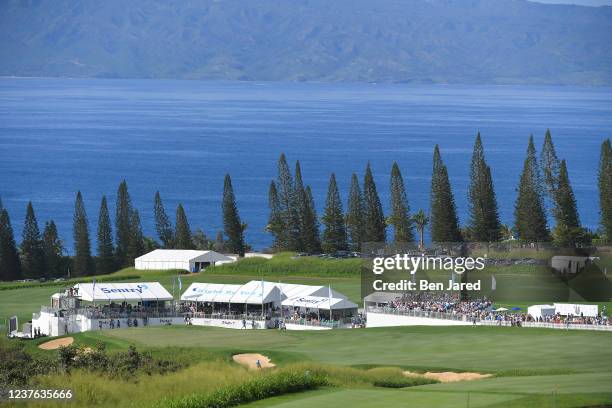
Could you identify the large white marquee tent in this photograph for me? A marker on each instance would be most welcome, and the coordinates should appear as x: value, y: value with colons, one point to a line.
x: 564, y: 309
x: 262, y: 292
x: 186, y: 259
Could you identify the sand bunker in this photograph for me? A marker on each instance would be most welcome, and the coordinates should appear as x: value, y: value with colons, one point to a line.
x: 249, y: 360
x: 449, y: 376
x: 57, y: 343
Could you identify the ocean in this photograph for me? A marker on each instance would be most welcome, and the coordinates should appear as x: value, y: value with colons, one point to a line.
x: 58, y: 136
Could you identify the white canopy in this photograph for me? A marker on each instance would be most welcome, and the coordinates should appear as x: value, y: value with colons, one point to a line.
x: 319, y: 302
x: 576, y: 309
x: 293, y: 290
x: 537, y: 311
x: 122, y: 291
x: 209, y: 292
x: 258, y: 292
x: 250, y: 293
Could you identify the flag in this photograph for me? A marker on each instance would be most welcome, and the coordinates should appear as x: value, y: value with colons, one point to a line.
x: 493, y: 283
x: 180, y: 283
x: 330, y: 302
x: 262, y: 296
x: 280, y: 298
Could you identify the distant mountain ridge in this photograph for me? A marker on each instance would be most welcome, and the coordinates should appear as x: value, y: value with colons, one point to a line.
x: 439, y: 41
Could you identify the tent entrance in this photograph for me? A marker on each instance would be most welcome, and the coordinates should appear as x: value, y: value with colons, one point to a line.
x: 199, y: 266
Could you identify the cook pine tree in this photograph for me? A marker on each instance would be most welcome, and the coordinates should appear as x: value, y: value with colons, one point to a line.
x: 82, y: 263
x: 232, y: 224
x: 529, y: 212
x: 106, y: 261
x: 275, y: 220
x: 568, y: 231
x: 374, y: 219
x: 10, y: 264
x: 334, y: 231
x: 605, y: 190
x: 550, y: 168
x: 308, y: 224
x: 313, y: 241
x: 183, y: 232
x: 163, y: 226
x: 355, y: 215
x: 400, y: 210
x: 290, y: 239
x: 53, y: 248
x: 136, y: 246
x: 484, y: 224
x: 444, y: 222
x: 123, y: 230
x: 32, y: 253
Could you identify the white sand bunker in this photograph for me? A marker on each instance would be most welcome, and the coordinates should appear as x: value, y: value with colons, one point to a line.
x: 249, y: 360
x: 448, y: 376
x: 57, y: 343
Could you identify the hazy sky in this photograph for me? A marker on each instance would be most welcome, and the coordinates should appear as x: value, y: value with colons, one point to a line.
x: 580, y: 2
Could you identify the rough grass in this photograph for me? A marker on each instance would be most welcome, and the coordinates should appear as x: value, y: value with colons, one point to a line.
x: 283, y: 264
x: 92, y: 390
x: 261, y: 386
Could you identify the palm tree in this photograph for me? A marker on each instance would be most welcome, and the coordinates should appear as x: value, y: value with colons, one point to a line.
x: 421, y: 220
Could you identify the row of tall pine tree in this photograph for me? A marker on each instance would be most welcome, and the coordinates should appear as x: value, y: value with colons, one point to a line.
x: 295, y: 226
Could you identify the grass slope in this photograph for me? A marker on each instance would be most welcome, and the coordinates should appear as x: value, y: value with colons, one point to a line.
x: 489, y: 349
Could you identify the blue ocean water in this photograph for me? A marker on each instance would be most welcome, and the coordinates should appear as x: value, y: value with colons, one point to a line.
x: 58, y: 136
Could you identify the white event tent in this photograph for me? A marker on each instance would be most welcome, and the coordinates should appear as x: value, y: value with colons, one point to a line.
x: 258, y: 292
x: 538, y: 311
x: 119, y: 292
x: 186, y: 259
x: 564, y: 309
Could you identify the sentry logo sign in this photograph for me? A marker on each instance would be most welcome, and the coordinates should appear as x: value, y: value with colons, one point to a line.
x: 137, y: 289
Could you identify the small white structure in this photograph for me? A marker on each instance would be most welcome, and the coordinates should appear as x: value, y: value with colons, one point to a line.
x: 567, y: 309
x: 186, y: 259
x: 541, y: 311
x: 563, y: 309
x: 569, y: 264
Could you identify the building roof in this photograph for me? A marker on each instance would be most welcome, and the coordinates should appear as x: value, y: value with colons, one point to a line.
x: 182, y: 255
x: 93, y: 292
